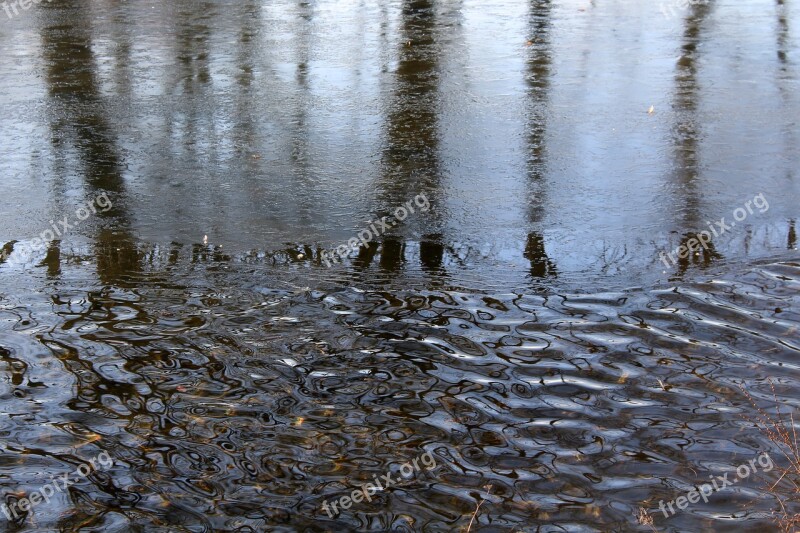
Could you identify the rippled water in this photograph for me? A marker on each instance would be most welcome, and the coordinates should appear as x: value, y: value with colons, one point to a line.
x: 229, y: 405
x: 524, y: 331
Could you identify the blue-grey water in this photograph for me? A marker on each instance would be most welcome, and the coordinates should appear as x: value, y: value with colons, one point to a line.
x: 176, y: 178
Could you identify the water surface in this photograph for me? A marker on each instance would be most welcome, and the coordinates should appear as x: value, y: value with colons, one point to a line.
x: 524, y: 329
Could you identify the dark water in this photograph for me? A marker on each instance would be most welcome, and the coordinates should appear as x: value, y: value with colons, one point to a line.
x: 523, y: 329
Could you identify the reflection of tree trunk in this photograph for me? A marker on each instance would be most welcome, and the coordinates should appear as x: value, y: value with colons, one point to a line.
x: 686, y: 143
x: 783, y: 31
x: 792, y: 244
x: 193, y: 52
x: 411, y: 159
x: 538, y: 80
x: 117, y: 256
x: 541, y: 265
x: 366, y: 254
x: 410, y: 163
x: 700, y: 256
x: 83, y: 128
x: 431, y: 253
x: 6, y: 250
x: 73, y: 85
x: 392, y: 254
x: 52, y: 260
x: 299, y: 140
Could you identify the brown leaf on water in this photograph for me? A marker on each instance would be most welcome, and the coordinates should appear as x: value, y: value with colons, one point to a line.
x: 90, y: 438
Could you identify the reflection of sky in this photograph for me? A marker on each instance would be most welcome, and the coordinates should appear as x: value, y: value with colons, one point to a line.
x: 294, y: 154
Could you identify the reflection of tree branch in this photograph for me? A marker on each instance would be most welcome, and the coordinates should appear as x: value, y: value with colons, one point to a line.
x: 616, y: 258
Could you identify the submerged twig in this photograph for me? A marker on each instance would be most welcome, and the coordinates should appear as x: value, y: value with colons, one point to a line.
x: 483, y: 500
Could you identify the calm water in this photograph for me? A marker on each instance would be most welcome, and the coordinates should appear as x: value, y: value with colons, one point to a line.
x: 523, y: 329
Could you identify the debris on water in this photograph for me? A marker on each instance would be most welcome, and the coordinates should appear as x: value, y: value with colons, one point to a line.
x: 644, y: 518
